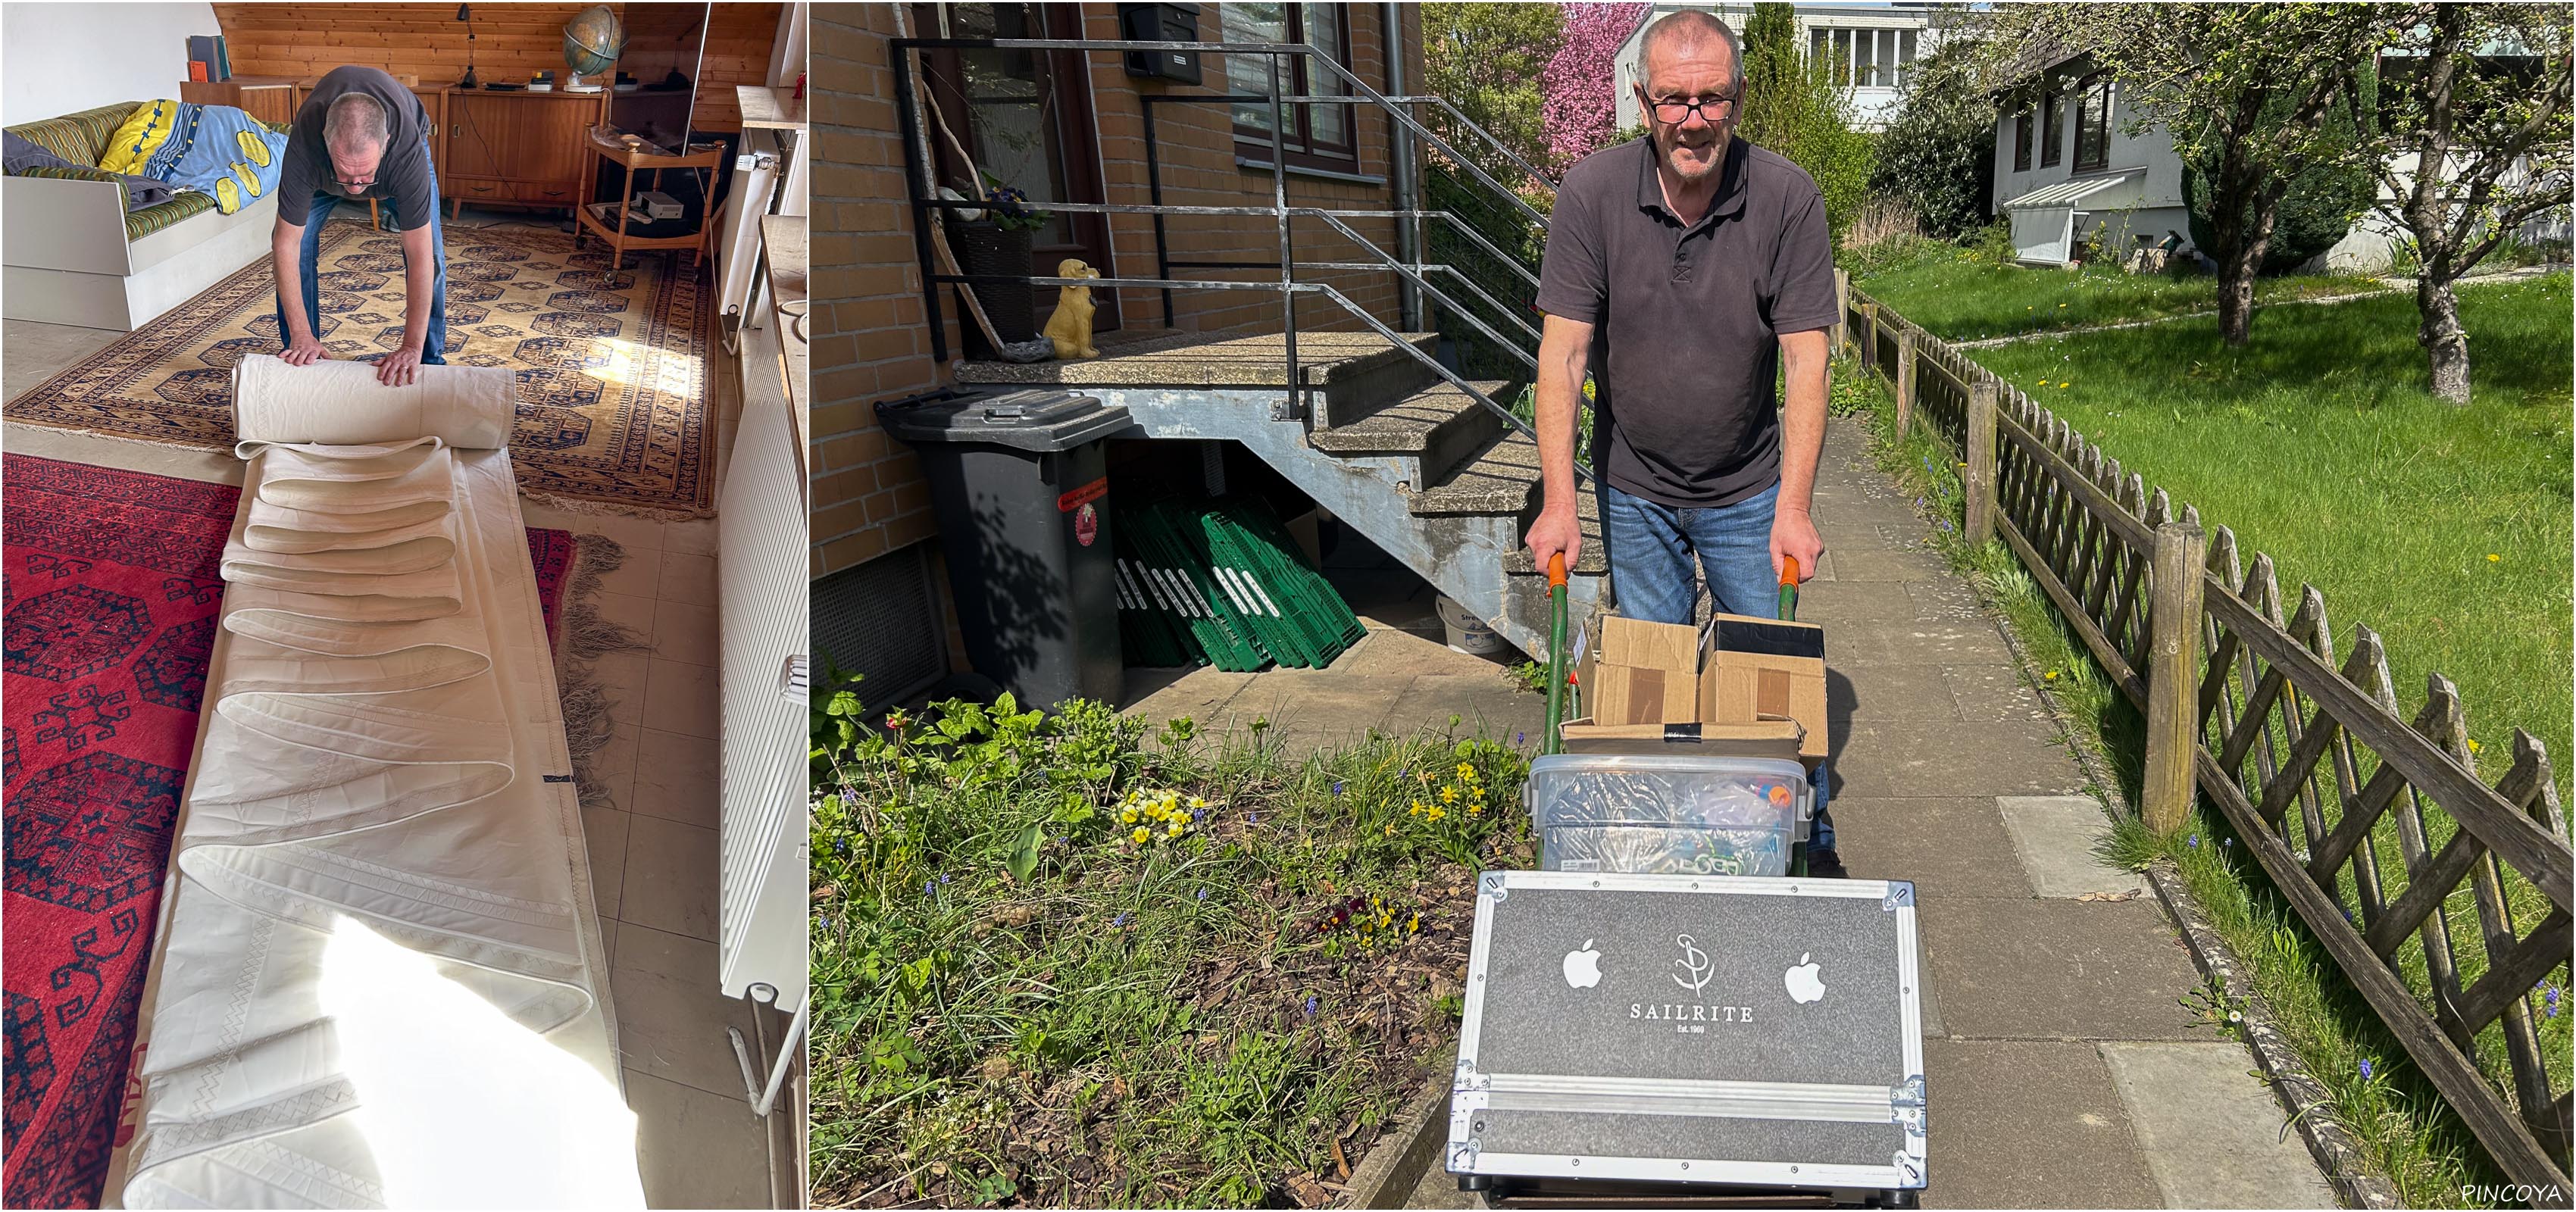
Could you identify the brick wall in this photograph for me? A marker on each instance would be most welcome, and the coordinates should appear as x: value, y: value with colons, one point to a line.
x: 871, y: 341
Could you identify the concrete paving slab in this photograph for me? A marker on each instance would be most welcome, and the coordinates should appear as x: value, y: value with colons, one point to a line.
x: 2049, y: 969
x: 1309, y: 709
x: 1855, y: 602
x: 1907, y: 641
x: 2028, y: 1124
x: 1876, y: 693
x: 1200, y: 693
x: 1390, y: 651
x: 1994, y: 694
x: 1950, y: 848
x: 2055, y: 837
x: 1951, y: 758
x: 2212, y: 1135
x: 1485, y: 705
x: 1890, y: 564
x: 1947, y: 598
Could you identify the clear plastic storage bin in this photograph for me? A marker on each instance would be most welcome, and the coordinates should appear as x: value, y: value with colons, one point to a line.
x: 1655, y: 815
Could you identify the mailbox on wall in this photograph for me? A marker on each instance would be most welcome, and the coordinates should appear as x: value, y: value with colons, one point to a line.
x: 1161, y: 23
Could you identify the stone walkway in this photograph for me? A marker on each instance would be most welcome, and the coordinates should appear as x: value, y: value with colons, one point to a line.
x: 2063, y: 1068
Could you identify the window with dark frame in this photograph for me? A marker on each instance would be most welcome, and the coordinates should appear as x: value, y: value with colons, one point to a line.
x: 2052, y: 128
x: 2093, y: 123
x: 2021, y: 141
x: 1317, y: 135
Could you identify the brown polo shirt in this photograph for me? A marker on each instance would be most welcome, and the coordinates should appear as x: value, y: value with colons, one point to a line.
x: 1686, y: 319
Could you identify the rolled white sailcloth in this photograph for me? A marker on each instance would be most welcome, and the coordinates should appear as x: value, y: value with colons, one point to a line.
x: 340, y: 403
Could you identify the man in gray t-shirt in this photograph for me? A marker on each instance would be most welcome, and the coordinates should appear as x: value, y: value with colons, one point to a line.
x: 360, y: 135
x: 1685, y: 272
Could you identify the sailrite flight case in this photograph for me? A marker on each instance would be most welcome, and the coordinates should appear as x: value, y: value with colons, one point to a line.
x: 1638, y: 1040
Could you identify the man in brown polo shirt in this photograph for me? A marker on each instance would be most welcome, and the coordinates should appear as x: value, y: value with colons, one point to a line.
x: 1684, y: 271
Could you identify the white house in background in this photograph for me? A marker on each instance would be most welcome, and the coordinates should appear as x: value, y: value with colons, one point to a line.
x: 1874, y: 45
x: 2065, y: 167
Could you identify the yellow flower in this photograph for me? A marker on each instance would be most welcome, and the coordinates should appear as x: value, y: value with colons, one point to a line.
x: 1174, y: 830
x: 1473, y: 809
x: 1448, y: 795
x: 1127, y: 816
x: 2062, y: 386
x: 1142, y: 835
x: 1435, y: 813
x: 2052, y: 675
x: 1416, y: 809
x: 2061, y: 305
x: 1390, y: 829
x: 2493, y: 558
x: 2473, y: 746
x: 1480, y: 793
x: 1196, y: 802
x: 1413, y: 925
x: 1466, y: 772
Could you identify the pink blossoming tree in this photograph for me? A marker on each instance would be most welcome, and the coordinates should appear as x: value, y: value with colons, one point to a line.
x: 1579, y: 110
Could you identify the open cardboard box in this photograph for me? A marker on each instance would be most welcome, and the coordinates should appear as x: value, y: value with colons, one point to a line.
x: 1744, y: 686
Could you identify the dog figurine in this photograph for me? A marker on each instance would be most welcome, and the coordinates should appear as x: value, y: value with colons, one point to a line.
x: 1070, y: 326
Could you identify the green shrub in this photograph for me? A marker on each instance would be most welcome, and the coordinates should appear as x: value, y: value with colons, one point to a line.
x: 1939, y: 153
x: 1794, y: 107
x: 2317, y: 211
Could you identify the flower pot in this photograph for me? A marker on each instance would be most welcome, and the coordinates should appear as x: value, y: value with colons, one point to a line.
x: 985, y: 248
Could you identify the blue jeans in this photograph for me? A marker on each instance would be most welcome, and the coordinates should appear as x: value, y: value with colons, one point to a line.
x: 318, y: 212
x: 1652, y: 547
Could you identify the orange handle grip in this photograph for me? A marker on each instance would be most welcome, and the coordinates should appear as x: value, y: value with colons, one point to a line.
x: 1788, y: 570
x: 1556, y: 570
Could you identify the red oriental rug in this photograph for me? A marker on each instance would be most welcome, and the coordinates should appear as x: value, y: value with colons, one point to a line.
x: 112, y: 594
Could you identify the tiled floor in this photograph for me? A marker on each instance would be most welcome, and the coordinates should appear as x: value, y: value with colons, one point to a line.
x: 653, y: 844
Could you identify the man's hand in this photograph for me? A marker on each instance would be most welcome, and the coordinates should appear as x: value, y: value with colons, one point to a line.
x: 1557, y: 529
x: 399, y: 368
x: 304, y: 352
x: 1793, y: 534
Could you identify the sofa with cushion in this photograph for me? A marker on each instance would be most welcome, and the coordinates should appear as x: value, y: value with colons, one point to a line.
x: 75, y: 255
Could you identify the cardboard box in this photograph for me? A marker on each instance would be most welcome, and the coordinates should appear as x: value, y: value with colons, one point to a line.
x: 1641, y: 645
x: 1765, y: 669
x: 1780, y: 739
x: 1639, y: 673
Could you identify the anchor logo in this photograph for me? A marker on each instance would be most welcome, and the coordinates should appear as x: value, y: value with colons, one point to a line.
x: 1695, y: 962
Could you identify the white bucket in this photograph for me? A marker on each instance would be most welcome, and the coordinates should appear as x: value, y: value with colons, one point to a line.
x: 1467, y: 633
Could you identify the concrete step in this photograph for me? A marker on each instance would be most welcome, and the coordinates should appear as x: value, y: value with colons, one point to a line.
x: 1347, y: 374
x: 1424, y: 436
x: 1593, y: 560
x: 1501, y: 479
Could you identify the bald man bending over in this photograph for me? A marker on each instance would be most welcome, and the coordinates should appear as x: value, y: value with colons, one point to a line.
x: 360, y: 135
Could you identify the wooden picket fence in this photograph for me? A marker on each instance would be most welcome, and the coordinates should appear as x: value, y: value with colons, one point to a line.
x: 2369, y: 823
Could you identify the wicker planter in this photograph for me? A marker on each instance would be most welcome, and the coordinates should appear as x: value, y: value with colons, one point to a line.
x: 984, y: 248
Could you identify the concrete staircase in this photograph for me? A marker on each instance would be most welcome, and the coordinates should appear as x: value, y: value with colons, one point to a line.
x: 1410, y: 461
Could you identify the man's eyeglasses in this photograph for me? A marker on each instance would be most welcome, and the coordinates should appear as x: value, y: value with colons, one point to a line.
x: 1676, y: 112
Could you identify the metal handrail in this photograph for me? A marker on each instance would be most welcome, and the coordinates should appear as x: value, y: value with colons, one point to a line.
x: 1279, y: 209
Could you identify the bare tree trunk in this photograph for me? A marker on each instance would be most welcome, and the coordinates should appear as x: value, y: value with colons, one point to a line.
x: 2444, y: 341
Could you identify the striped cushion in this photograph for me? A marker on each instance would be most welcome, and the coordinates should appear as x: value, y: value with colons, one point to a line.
x: 69, y: 174
x: 80, y: 138
x: 144, y: 222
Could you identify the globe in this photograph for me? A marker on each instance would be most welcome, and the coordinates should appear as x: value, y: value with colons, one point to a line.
x: 593, y: 39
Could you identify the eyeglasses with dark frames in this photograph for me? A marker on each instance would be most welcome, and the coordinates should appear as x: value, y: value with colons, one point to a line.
x: 1676, y: 112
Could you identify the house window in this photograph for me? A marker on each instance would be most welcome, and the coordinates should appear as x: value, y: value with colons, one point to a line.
x: 2093, y: 123
x: 2021, y: 142
x: 2052, y: 128
x: 1318, y: 136
x: 1865, y: 58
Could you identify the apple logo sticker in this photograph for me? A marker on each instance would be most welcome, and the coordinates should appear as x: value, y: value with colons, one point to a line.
x: 1583, y: 967
x: 1803, y: 979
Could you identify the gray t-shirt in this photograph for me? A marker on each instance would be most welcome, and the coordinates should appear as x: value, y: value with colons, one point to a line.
x: 1685, y: 348
x: 405, y: 175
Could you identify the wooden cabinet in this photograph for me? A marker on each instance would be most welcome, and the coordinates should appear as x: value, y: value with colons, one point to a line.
x: 517, y: 148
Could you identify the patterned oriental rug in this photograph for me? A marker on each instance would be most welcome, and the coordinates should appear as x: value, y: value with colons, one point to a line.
x: 112, y: 596
x: 614, y: 404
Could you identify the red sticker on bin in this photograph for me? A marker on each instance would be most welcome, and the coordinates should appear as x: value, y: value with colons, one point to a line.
x: 1084, y: 495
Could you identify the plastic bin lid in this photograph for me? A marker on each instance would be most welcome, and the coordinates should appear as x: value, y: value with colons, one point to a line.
x: 1038, y: 419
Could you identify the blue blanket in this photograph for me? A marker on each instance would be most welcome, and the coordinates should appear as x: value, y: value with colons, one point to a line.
x: 217, y: 150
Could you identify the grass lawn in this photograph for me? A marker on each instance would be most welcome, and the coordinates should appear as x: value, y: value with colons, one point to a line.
x: 2316, y: 444
x: 1964, y: 294
x: 1040, y: 982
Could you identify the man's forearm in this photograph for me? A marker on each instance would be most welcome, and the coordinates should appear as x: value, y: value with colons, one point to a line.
x: 1560, y: 384
x: 1802, y: 422
x: 419, y: 275
x: 286, y: 258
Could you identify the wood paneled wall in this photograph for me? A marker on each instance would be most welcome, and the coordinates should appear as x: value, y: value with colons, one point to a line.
x: 511, y: 42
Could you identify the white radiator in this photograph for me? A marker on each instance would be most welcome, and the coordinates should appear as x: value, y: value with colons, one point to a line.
x: 761, y: 570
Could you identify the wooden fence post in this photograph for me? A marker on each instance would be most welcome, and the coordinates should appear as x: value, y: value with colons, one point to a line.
x: 1904, y: 381
x: 1842, y: 309
x: 1981, y: 463
x: 2173, y: 676
x: 1869, y: 335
